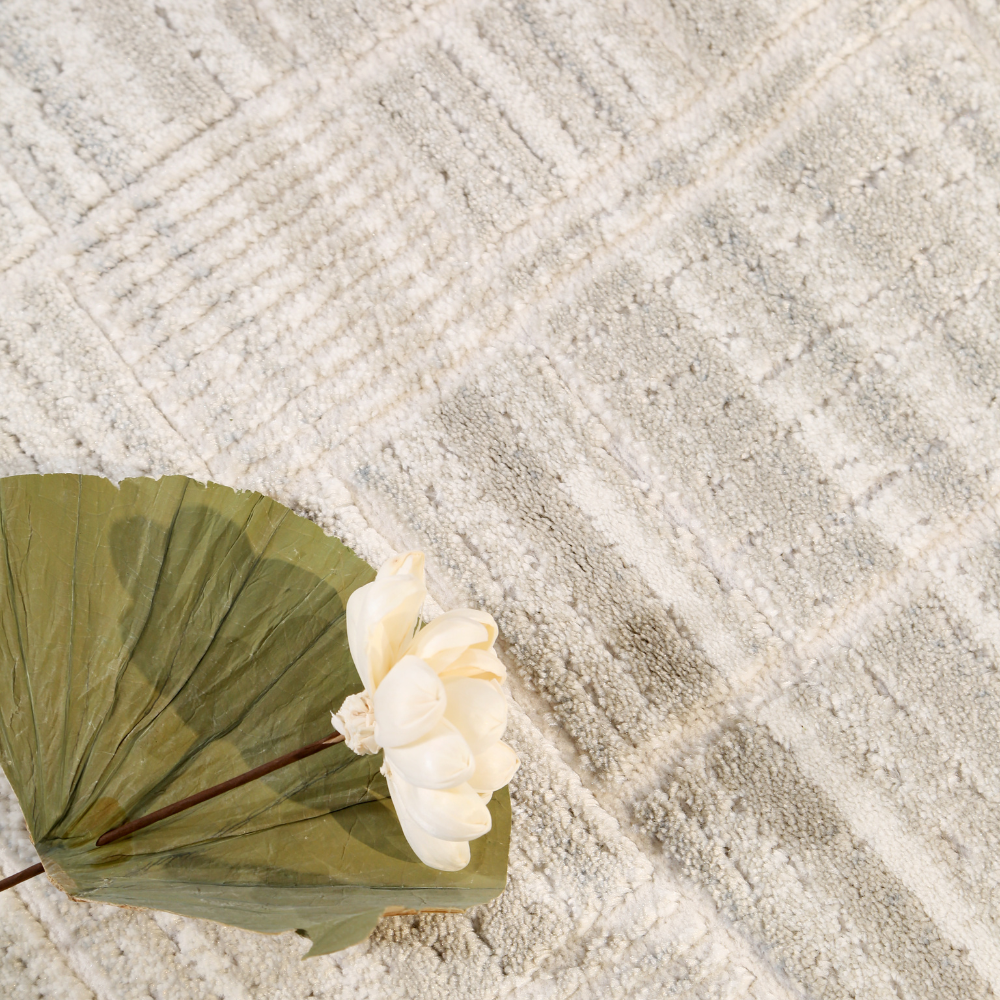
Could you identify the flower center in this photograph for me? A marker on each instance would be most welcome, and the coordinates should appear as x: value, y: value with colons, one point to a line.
x: 356, y: 720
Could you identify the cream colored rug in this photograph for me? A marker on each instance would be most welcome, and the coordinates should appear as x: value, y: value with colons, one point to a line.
x: 671, y: 332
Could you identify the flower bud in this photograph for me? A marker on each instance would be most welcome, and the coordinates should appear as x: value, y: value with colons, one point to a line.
x: 356, y: 722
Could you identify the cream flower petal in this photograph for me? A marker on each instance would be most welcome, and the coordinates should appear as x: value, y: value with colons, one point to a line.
x: 441, y: 642
x: 448, y: 814
x: 381, y: 616
x: 389, y: 598
x: 477, y: 709
x: 444, y: 855
x: 357, y: 631
x: 408, y: 703
x: 392, y: 610
x: 494, y: 768
x: 481, y: 663
x: 488, y: 622
x: 441, y: 759
x: 406, y: 563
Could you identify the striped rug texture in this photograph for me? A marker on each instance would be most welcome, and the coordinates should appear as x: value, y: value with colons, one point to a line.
x: 670, y: 330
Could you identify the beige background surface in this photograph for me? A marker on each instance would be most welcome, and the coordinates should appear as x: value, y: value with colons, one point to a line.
x: 670, y: 331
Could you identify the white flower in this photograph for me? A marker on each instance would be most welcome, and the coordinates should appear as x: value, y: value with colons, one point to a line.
x: 433, y: 704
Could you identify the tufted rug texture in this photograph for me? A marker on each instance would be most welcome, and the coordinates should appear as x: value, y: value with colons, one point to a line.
x: 671, y: 332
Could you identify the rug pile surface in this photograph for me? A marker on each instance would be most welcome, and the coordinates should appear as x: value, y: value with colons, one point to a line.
x: 671, y: 333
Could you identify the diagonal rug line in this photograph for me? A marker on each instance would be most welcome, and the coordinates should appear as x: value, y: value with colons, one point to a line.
x: 635, y: 234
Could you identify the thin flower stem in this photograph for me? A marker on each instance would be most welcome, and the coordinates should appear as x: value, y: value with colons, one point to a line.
x: 192, y: 800
x: 21, y: 876
x: 210, y: 793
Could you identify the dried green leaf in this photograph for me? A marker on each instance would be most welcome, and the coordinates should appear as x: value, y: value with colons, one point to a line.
x: 161, y: 636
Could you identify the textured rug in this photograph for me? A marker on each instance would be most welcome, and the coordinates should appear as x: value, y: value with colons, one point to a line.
x: 670, y: 332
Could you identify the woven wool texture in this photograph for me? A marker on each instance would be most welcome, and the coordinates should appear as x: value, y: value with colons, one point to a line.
x: 670, y: 332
